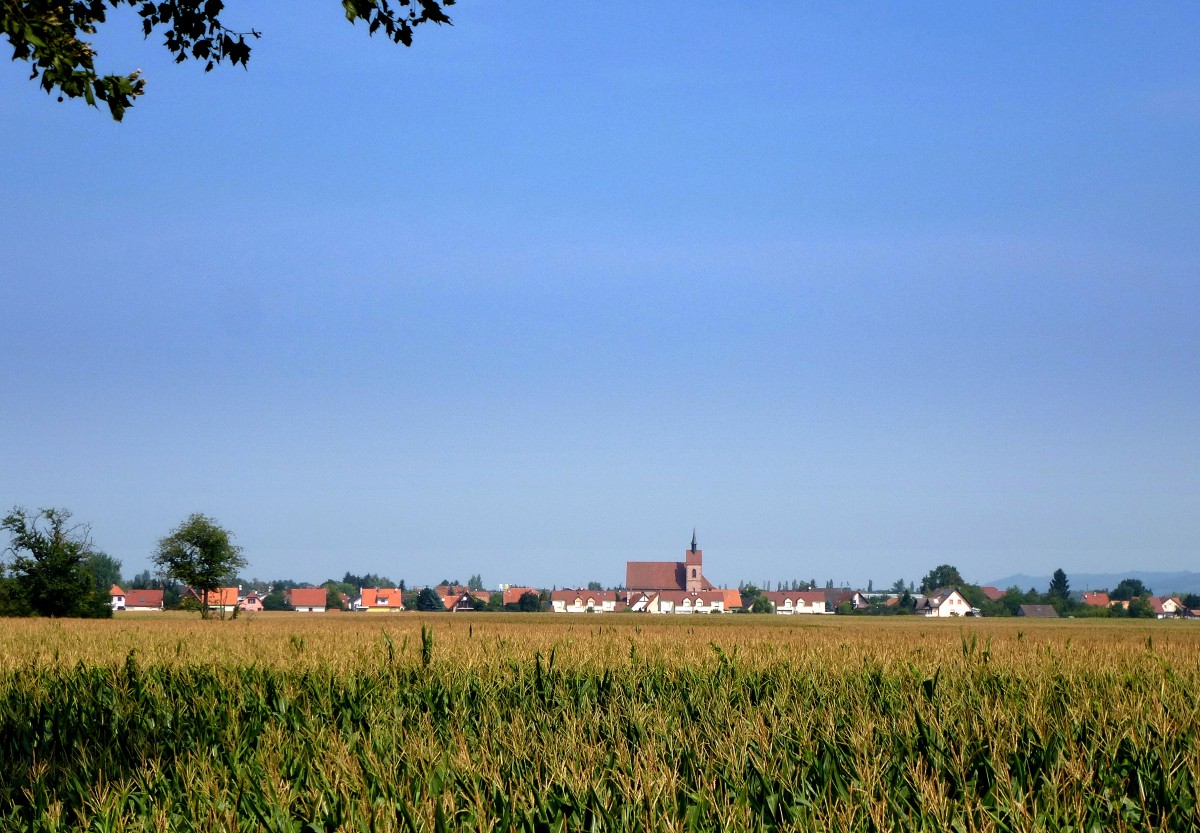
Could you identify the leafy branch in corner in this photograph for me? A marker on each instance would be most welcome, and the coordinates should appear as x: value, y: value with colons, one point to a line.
x: 51, y: 36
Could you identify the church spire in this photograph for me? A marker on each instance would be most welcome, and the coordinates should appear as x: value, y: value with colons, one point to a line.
x: 693, y: 539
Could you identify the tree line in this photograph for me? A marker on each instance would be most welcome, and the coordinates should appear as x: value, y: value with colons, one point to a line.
x: 54, y: 569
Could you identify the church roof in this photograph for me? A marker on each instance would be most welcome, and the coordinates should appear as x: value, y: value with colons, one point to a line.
x: 659, y: 575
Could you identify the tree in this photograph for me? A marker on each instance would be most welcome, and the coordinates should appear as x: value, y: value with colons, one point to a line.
x: 428, y: 599
x: 1191, y: 601
x: 595, y: 585
x: 529, y: 602
x: 898, y: 586
x: 105, y: 570
x: 1060, y: 588
x: 762, y: 605
x: 333, y: 596
x: 47, y: 34
x: 1139, y: 608
x: 1129, y: 588
x: 944, y: 575
x: 49, y: 566
x: 199, y: 553
x: 275, y: 601
x: 475, y: 582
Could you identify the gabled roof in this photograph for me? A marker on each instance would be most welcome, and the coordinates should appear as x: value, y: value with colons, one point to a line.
x: 306, y: 596
x: 834, y: 597
x: 994, y: 594
x: 144, y: 598
x: 708, y: 597
x: 1096, y: 599
x: 1038, y: 611
x: 654, y: 575
x: 659, y: 575
x: 380, y: 597
x: 808, y: 598
x: 597, y: 596
x: 733, y: 598
x: 513, y: 594
x: 116, y: 591
x: 459, y: 597
x: 223, y: 596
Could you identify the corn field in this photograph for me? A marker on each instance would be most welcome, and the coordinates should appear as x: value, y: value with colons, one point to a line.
x: 615, y: 722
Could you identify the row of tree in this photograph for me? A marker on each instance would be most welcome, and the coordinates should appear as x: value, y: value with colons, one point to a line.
x: 55, y: 571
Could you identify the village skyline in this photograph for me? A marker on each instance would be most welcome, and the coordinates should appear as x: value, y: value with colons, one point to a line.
x: 854, y: 290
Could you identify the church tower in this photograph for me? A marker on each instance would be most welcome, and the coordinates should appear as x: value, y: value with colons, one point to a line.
x: 693, y: 575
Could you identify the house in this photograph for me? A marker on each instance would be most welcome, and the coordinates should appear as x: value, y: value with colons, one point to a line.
x: 788, y: 602
x: 306, y: 599
x: 512, y: 595
x: 686, y: 575
x: 456, y: 599
x: 836, y: 597
x: 222, y: 599
x: 1166, y: 607
x: 1038, y: 611
x: 251, y: 602
x: 378, y: 600
x: 684, y: 601
x: 1098, y: 598
x: 587, y: 601
x: 144, y: 600
x: 943, y: 603
x: 992, y: 594
x: 138, y: 599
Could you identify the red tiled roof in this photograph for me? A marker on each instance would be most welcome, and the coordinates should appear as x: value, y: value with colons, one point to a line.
x: 513, y: 594
x: 808, y: 597
x: 388, y: 597
x: 569, y: 596
x: 115, y: 591
x: 677, y: 597
x: 223, y: 596
x: 306, y: 597
x: 658, y: 575
x: 144, y: 598
x: 654, y: 575
x: 995, y: 594
x: 1097, y: 599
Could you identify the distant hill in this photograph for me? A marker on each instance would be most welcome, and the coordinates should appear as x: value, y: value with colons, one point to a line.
x: 1160, y: 583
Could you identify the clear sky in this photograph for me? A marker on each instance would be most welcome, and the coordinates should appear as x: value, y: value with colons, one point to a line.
x: 855, y: 292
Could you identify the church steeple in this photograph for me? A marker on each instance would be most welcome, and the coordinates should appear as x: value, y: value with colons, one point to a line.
x: 692, y: 565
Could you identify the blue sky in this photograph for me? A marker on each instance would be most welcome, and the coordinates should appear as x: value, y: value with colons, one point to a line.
x: 855, y: 292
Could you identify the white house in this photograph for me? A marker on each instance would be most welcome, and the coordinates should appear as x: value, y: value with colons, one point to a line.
x: 586, y: 601
x: 789, y: 602
x: 683, y: 602
x: 944, y: 603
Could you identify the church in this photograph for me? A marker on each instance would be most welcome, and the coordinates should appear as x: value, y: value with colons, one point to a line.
x: 669, y: 575
x: 676, y: 586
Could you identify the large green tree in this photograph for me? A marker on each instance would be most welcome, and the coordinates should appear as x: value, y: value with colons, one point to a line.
x: 199, y: 553
x: 1060, y: 588
x: 105, y: 570
x: 428, y: 599
x: 52, y: 36
x: 1129, y: 588
x: 944, y: 575
x: 49, y: 566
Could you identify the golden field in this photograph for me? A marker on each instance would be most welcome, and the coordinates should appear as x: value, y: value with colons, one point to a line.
x: 487, y: 721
